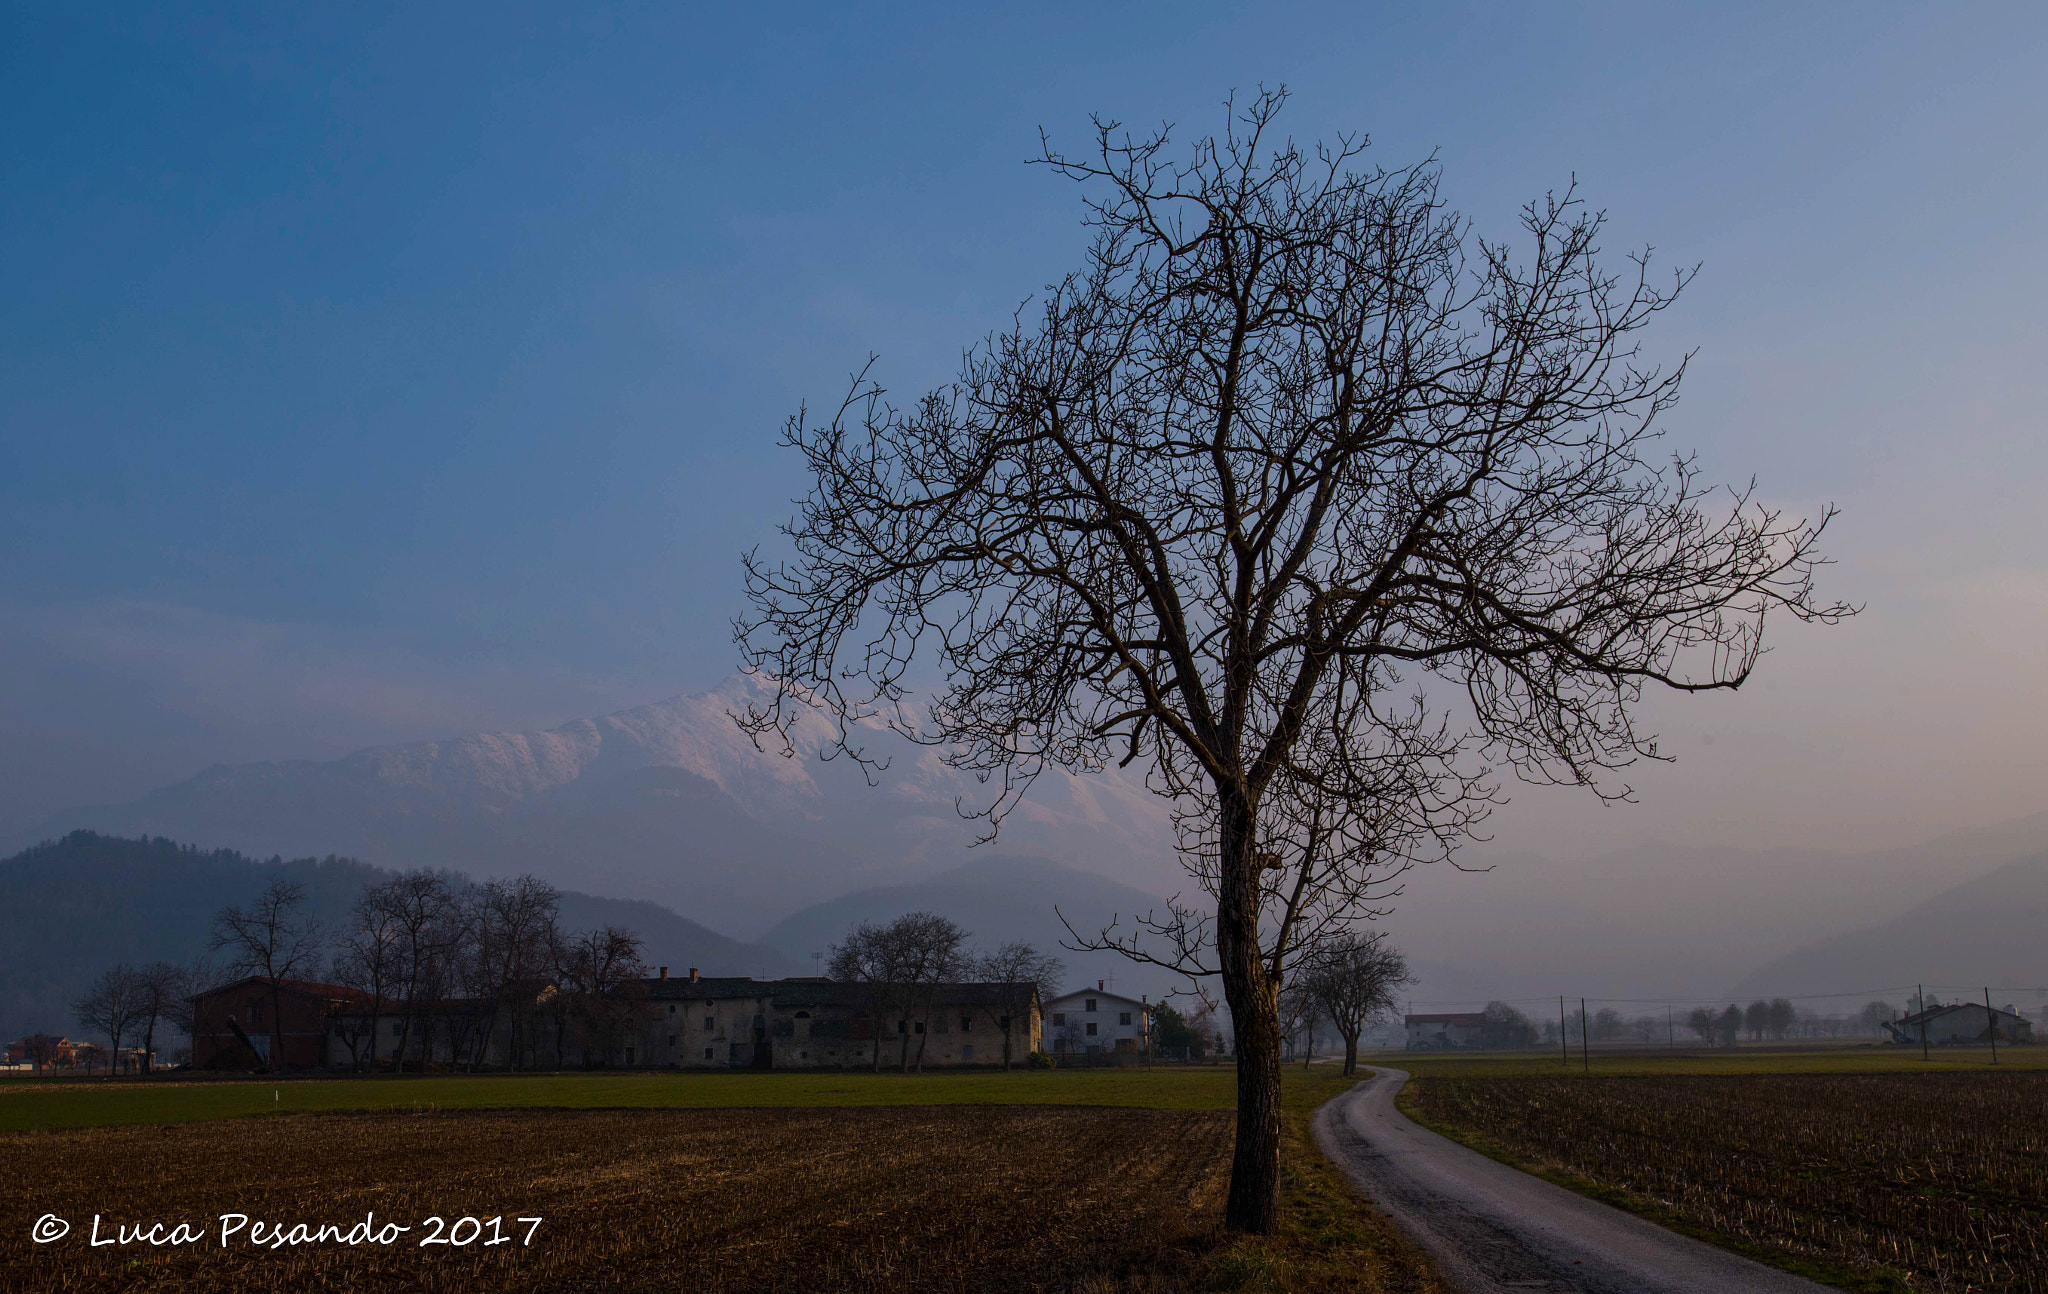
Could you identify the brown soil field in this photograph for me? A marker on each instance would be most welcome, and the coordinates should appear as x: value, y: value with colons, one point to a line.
x: 1935, y: 1182
x: 900, y: 1199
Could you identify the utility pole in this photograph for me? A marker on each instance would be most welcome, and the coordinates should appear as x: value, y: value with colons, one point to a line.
x: 1922, y: 990
x: 1585, y: 1039
x: 1993, y: 1020
x: 1564, y: 1035
x: 1670, y: 1031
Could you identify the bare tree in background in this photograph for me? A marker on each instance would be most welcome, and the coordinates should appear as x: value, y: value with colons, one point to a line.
x: 606, y: 980
x: 1701, y: 1020
x: 111, y: 1005
x: 515, y: 926
x: 367, y: 960
x: 420, y: 909
x: 1017, y: 962
x: 1354, y: 977
x: 926, y: 950
x: 867, y: 957
x: 274, y: 937
x: 1292, y: 472
x: 160, y: 987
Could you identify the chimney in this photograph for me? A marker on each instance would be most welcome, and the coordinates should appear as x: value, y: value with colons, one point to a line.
x: 693, y: 974
x: 664, y: 972
x: 1098, y: 986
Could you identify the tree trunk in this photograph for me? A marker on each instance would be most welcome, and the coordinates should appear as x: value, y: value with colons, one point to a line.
x: 1253, y: 1204
x: 1350, y: 1054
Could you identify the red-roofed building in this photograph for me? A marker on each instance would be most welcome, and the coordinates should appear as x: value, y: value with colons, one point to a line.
x: 236, y: 1019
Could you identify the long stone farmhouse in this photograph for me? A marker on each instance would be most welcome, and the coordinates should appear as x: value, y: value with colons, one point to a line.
x: 694, y: 1022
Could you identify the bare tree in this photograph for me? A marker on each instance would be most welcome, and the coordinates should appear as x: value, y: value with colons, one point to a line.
x: 1303, y: 498
x: 929, y: 951
x: 198, y: 976
x: 605, y: 979
x: 1354, y: 977
x: 867, y: 957
x: 1701, y: 1020
x: 161, y: 987
x: 1502, y: 1025
x: 368, y: 961
x: 1780, y: 1016
x: 514, y: 925
x: 112, y: 1005
x: 421, y: 915
x: 1017, y: 962
x: 42, y: 1050
x: 901, y: 964
x: 275, y: 938
x: 1728, y: 1025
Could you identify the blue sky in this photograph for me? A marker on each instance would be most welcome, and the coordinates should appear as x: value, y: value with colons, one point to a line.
x: 378, y: 373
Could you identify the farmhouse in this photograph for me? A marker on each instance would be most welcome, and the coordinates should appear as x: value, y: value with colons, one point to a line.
x: 1095, y: 1021
x: 1451, y: 1032
x: 1961, y: 1023
x: 807, y: 1022
x: 697, y: 1022
x: 234, y: 1024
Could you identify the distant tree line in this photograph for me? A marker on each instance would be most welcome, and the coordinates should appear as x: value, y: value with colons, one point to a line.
x: 444, y: 961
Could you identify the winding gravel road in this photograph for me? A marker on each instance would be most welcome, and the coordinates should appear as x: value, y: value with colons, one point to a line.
x: 1491, y: 1228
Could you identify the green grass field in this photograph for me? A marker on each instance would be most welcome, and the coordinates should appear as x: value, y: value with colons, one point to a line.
x: 30, y: 1106
x: 1850, y: 1058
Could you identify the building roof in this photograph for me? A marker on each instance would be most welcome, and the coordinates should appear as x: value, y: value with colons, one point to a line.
x: 816, y: 990
x: 1078, y: 993
x: 1939, y: 1010
x: 1466, y: 1019
x: 305, y: 987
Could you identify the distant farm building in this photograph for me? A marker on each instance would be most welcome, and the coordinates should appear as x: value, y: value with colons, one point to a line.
x: 1092, y: 1022
x: 1961, y: 1024
x: 1457, y: 1031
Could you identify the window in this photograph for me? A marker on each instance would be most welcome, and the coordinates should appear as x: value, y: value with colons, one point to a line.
x: 709, y: 1023
x: 967, y: 1051
x: 1123, y: 1017
x: 1091, y: 1004
x: 707, y: 1053
x: 397, y: 1029
x: 1003, y: 1023
x: 920, y: 1026
x: 1091, y: 1028
x: 629, y: 1055
x: 967, y: 1024
x: 903, y: 1026
x: 671, y: 1040
x: 671, y: 1008
x: 1059, y: 1017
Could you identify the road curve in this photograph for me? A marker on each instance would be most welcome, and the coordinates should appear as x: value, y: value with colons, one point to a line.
x: 1490, y: 1227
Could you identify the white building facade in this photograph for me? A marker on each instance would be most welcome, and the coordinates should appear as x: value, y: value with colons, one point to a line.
x: 1094, y: 1021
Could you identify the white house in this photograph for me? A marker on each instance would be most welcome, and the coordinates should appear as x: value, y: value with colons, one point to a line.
x: 1450, y: 1032
x: 1092, y: 1021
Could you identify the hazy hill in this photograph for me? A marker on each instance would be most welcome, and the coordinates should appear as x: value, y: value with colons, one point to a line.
x: 998, y: 898
x: 70, y: 908
x: 668, y: 802
x: 1990, y: 931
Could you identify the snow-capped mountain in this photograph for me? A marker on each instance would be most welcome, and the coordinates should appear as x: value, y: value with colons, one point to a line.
x: 668, y: 801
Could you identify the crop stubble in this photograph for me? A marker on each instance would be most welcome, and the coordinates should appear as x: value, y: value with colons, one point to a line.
x: 939, y: 1199
x: 1940, y: 1178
